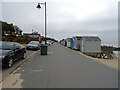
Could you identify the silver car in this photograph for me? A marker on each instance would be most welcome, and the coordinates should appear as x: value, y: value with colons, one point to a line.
x: 33, y: 45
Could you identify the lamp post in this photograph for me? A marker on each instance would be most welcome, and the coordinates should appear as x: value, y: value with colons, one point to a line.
x: 38, y: 6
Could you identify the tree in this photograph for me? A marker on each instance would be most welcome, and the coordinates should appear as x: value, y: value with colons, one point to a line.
x: 7, y: 27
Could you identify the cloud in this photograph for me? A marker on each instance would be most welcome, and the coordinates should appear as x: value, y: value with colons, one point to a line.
x: 65, y: 18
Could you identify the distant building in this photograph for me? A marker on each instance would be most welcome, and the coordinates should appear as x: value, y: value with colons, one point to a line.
x: 14, y: 31
x: 8, y: 32
x: 33, y: 35
x: 17, y: 31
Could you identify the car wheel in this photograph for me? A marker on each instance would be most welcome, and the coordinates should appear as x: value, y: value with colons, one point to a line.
x: 27, y: 48
x: 10, y: 63
x: 23, y: 57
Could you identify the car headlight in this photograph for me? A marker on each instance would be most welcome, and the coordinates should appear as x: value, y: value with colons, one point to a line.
x: 2, y: 56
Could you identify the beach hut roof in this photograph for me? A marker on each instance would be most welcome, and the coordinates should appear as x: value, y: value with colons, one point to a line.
x: 91, y: 38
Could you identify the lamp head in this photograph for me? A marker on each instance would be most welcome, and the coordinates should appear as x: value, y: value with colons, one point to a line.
x: 38, y: 6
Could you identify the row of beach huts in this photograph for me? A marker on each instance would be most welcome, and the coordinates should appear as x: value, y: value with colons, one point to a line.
x: 90, y: 45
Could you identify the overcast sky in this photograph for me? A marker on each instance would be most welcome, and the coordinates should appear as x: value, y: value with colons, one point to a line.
x: 65, y: 18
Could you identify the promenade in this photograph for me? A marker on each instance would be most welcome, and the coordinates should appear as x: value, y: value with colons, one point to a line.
x: 62, y: 68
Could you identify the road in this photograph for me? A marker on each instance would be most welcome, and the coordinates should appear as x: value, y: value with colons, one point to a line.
x: 62, y: 68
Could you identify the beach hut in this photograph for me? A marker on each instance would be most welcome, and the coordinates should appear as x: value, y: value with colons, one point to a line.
x: 60, y: 41
x: 65, y: 42
x: 68, y: 42
x: 72, y: 43
x: 90, y: 44
x: 77, y: 42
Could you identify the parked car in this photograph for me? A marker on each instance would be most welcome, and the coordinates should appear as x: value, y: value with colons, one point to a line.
x: 10, y: 52
x: 48, y: 42
x: 42, y: 43
x: 33, y: 45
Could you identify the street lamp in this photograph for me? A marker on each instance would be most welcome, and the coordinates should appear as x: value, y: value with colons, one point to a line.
x: 38, y: 6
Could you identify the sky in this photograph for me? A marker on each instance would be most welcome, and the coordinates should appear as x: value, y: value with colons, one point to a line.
x: 65, y: 18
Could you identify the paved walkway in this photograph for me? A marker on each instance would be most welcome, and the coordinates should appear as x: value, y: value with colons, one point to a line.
x: 63, y: 68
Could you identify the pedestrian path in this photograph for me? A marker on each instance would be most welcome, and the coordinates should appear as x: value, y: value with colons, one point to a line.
x: 63, y: 68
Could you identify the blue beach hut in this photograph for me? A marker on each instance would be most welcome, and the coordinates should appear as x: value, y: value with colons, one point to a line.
x: 72, y: 43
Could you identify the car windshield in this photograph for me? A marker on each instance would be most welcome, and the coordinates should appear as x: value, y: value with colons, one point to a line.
x: 35, y: 43
x: 6, y: 45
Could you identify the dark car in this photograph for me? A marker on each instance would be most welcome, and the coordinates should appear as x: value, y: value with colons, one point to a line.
x: 10, y: 52
x: 33, y: 45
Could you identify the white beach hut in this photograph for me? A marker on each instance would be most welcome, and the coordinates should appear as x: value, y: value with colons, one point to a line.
x: 90, y: 44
